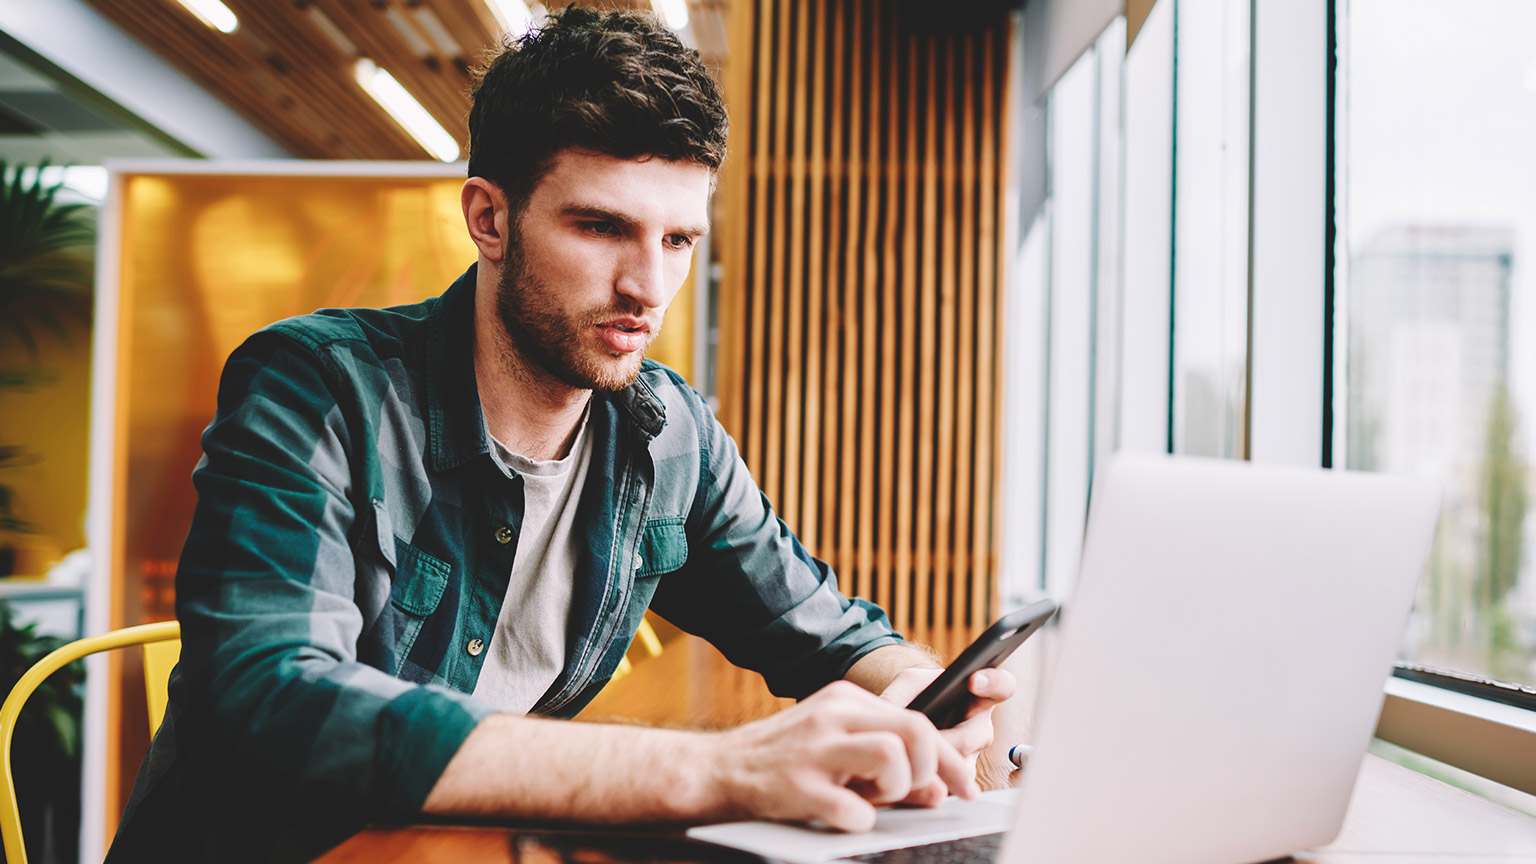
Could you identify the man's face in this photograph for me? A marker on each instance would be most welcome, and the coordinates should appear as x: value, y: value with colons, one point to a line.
x: 598, y: 253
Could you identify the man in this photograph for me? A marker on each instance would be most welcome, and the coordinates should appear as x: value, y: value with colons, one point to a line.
x: 418, y: 526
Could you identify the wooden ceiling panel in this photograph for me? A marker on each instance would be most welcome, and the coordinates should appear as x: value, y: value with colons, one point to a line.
x: 289, y: 67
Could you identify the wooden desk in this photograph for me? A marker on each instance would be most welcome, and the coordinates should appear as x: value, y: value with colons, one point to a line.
x: 1396, y: 817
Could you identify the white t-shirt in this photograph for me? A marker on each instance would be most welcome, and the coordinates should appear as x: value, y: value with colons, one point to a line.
x: 527, y: 652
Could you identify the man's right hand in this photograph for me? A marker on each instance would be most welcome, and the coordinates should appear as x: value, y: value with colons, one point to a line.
x: 832, y: 758
x: 829, y: 760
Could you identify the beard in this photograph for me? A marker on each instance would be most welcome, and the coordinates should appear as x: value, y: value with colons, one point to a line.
x: 552, y: 339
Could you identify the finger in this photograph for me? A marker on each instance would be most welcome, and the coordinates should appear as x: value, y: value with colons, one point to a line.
x: 996, y: 685
x: 957, y: 771
x: 877, y: 758
x: 839, y: 808
x: 928, y: 796
x: 923, y: 744
x: 864, y: 712
x: 972, y: 736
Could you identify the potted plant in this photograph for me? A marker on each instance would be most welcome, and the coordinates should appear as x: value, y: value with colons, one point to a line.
x: 45, y: 749
x: 46, y: 273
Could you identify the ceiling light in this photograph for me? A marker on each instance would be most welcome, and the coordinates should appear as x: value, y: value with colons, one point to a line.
x: 434, y: 28
x: 386, y: 91
x: 332, y: 32
x: 418, y: 45
x: 512, y: 15
x: 674, y: 12
x: 213, y: 13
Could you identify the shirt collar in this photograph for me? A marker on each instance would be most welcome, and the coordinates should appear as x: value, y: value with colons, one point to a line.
x: 455, y: 424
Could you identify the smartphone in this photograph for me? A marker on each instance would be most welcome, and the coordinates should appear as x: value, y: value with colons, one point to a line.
x: 945, y: 700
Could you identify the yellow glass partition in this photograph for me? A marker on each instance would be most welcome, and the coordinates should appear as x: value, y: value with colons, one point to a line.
x: 209, y: 259
x: 205, y: 260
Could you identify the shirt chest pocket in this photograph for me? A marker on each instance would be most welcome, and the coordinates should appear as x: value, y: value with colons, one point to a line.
x: 663, y: 547
x: 419, y: 579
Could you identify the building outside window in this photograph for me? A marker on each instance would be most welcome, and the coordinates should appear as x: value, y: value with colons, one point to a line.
x: 1436, y: 303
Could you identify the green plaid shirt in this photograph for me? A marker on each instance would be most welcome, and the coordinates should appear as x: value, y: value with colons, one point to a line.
x: 348, y: 558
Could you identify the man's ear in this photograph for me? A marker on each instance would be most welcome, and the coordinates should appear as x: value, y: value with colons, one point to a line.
x: 487, y: 217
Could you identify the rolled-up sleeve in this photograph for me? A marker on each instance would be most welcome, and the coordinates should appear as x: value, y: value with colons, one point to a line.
x: 753, y: 590
x: 269, y: 675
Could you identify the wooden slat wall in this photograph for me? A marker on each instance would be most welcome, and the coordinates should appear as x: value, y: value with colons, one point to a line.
x: 863, y: 273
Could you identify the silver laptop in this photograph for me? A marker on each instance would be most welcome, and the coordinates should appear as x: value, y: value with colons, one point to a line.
x: 1219, y: 676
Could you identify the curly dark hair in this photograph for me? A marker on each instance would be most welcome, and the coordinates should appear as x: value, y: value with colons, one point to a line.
x: 619, y: 83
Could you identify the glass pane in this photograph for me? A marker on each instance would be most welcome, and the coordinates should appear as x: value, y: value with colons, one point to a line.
x: 1148, y: 236
x: 1437, y: 112
x: 1024, y: 417
x: 1210, y: 352
x: 1106, y: 341
x: 1069, y: 315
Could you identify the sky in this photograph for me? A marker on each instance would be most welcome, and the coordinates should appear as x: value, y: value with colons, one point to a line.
x: 1439, y: 128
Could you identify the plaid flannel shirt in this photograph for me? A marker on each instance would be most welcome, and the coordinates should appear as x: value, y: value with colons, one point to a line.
x: 349, y: 554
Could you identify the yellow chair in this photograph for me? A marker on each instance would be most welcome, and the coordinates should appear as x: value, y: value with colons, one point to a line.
x: 162, y: 647
x: 646, y: 638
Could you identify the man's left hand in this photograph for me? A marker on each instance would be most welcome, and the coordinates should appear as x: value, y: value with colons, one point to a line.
x: 989, y: 687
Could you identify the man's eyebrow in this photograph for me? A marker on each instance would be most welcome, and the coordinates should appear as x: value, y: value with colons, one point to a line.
x: 593, y: 211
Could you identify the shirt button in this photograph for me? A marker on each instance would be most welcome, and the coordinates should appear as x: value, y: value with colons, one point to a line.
x: 639, y: 562
x: 474, y: 647
x: 503, y: 535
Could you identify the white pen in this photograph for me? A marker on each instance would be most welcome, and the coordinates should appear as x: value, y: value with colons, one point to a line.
x: 1018, y: 753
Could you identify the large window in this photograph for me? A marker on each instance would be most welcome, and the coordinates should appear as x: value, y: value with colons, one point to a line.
x: 1254, y: 241
x: 1436, y: 198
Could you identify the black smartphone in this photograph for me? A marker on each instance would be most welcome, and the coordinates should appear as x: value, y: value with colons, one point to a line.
x: 945, y: 700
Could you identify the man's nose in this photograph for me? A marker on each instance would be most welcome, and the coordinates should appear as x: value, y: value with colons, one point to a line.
x: 642, y: 276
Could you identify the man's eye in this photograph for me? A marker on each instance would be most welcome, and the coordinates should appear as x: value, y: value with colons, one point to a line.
x: 679, y: 241
x: 602, y: 229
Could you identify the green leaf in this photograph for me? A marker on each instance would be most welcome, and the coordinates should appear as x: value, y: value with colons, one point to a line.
x: 24, y: 379
x: 64, y: 724
x: 45, y: 257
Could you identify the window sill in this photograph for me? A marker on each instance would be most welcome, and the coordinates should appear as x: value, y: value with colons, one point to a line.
x: 1477, y: 735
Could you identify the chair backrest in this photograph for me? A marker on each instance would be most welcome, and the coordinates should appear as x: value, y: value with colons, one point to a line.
x: 159, y: 659
x: 162, y: 647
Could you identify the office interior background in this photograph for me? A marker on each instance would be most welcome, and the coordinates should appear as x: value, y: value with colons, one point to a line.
x: 962, y: 254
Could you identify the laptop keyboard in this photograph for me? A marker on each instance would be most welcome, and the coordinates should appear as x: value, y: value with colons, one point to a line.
x: 981, y: 849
